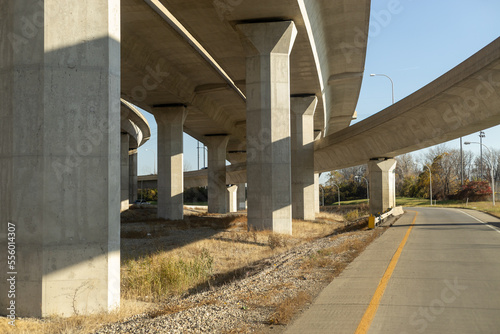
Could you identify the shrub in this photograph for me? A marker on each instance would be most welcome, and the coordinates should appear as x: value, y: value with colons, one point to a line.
x: 475, y: 191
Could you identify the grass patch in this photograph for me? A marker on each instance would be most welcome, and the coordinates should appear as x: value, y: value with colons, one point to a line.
x: 157, y: 276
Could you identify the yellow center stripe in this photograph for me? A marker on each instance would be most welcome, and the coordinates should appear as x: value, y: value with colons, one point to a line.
x: 367, y: 319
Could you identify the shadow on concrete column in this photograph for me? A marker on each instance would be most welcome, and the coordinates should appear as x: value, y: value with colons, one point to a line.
x: 302, y: 125
x: 382, y: 184
x: 217, y: 191
x: 170, y: 121
x: 241, y: 194
x: 268, y: 46
x: 132, y: 185
x: 60, y: 156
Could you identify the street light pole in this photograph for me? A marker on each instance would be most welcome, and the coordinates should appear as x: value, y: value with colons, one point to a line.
x: 367, y: 191
x: 430, y: 181
x: 481, y: 136
x: 388, y: 77
x: 491, y: 166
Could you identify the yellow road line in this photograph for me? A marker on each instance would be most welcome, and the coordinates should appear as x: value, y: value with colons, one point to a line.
x: 367, y: 319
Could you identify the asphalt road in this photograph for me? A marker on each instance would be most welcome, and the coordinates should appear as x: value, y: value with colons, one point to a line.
x: 436, y: 273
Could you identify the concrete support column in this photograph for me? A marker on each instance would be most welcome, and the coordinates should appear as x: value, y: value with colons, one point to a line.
x: 217, y: 191
x: 382, y: 185
x: 132, y: 185
x: 60, y: 155
x: 170, y: 122
x: 268, y: 46
x: 241, y: 194
x: 232, y: 205
x: 124, y: 172
x: 302, y: 134
x: 316, y: 193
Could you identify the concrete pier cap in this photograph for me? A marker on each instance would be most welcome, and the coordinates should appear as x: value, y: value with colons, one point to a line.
x: 382, y: 184
x: 268, y: 46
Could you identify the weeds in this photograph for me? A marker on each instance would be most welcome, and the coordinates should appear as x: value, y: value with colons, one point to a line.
x: 157, y: 276
x: 288, y: 308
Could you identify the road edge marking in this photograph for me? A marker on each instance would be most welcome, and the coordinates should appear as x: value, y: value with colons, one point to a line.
x: 479, y: 220
x: 371, y: 310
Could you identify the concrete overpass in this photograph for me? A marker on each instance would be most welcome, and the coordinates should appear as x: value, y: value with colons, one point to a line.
x: 256, y: 81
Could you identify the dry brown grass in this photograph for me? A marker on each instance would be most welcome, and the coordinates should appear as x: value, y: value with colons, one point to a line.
x: 289, y: 307
x: 73, y: 325
x: 225, y: 238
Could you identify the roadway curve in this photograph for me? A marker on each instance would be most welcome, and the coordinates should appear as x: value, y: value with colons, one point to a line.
x: 446, y: 280
x: 462, y: 101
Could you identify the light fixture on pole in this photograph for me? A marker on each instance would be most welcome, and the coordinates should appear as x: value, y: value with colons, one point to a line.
x: 430, y: 181
x: 491, y: 167
x: 481, y: 136
x: 388, y: 77
x: 357, y: 178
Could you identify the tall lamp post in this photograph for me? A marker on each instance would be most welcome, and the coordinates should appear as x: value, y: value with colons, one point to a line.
x: 491, y: 167
x: 430, y: 181
x: 357, y: 178
x: 481, y: 136
x: 388, y: 77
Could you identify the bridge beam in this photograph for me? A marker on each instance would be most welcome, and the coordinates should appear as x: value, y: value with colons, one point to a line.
x: 60, y: 156
x: 382, y: 184
x: 170, y: 121
x: 217, y: 191
x: 268, y: 46
x: 302, y: 138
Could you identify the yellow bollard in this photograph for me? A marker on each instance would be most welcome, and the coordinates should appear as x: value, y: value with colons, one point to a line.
x: 371, y: 221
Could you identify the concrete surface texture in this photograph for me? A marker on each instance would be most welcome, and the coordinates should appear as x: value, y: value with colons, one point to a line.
x: 132, y: 185
x: 232, y: 199
x: 217, y: 191
x: 124, y: 172
x: 302, y: 155
x: 169, y: 120
x: 445, y: 280
x: 60, y: 155
x: 460, y: 102
x: 382, y: 186
x: 241, y: 197
x: 268, y: 46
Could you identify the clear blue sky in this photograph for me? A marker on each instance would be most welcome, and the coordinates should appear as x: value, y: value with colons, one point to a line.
x: 418, y: 43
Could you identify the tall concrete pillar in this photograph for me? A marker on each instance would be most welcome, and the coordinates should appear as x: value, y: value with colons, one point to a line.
x: 316, y: 193
x: 124, y: 172
x: 217, y: 191
x: 382, y: 186
x: 170, y: 122
x: 232, y: 201
x: 268, y: 46
x: 60, y: 156
x: 241, y: 196
x: 302, y: 134
x: 132, y: 186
